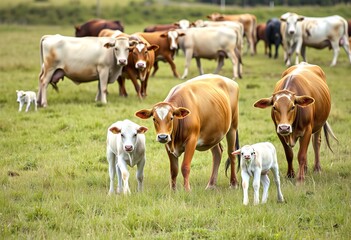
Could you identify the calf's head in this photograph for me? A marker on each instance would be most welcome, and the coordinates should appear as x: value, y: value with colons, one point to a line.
x: 247, y: 153
x: 163, y: 116
x: 284, y: 108
x: 140, y: 54
x: 129, y: 134
x: 172, y: 37
x: 20, y: 95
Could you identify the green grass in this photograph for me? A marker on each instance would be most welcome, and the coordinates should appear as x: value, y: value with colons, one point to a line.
x: 59, y: 154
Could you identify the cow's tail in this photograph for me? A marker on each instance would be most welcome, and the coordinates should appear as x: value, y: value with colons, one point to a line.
x: 237, y: 146
x: 328, y: 132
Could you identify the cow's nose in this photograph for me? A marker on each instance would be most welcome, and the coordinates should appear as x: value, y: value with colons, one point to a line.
x: 284, y: 129
x: 291, y: 32
x: 128, y: 148
x: 140, y: 65
x: 122, y: 61
x: 162, y: 138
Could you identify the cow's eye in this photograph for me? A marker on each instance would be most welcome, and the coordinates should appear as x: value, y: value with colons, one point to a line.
x: 135, y: 135
x: 292, y: 107
x: 122, y: 135
x: 172, y: 118
x: 274, y: 108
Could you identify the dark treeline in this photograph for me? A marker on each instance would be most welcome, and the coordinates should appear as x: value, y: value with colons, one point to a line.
x: 275, y: 2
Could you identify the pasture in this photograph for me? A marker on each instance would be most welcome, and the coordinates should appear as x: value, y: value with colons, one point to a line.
x: 54, y: 173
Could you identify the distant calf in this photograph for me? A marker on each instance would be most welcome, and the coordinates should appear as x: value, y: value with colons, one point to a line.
x: 125, y: 146
x: 256, y: 161
x: 26, y: 97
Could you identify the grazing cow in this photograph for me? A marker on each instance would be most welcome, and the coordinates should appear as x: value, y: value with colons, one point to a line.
x: 257, y: 160
x: 125, y: 146
x: 82, y: 60
x: 248, y: 20
x: 167, y: 41
x: 273, y: 36
x: 221, y: 43
x: 26, y: 97
x: 300, y: 109
x: 161, y: 27
x: 140, y: 61
x: 94, y: 26
x: 197, y: 115
x: 298, y: 32
x: 261, y: 35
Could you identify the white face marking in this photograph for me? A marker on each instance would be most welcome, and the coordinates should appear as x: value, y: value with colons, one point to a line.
x: 283, y: 95
x: 140, y: 46
x: 162, y: 112
x: 173, y: 35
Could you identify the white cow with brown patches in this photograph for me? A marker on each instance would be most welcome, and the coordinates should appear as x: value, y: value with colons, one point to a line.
x: 256, y: 161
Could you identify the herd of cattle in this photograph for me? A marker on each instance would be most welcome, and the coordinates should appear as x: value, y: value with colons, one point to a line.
x: 102, y: 51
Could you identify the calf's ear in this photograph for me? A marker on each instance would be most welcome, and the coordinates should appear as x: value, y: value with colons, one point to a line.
x: 144, y: 113
x: 115, y: 130
x: 142, y: 129
x: 304, y: 101
x: 263, y: 103
x: 181, y: 112
x: 237, y: 152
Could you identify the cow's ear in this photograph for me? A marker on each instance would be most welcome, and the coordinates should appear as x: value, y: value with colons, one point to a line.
x: 283, y: 19
x: 153, y: 47
x: 109, y: 44
x: 301, y: 18
x: 176, y: 24
x: 237, y: 152
x: 115, y: 130
x: 165, y: 34
x: 77, y: 27
x: 263, y: 103
x: 144, y: 114
x: 181, y: 112
x: 142, y: 129
x: 304, y: 101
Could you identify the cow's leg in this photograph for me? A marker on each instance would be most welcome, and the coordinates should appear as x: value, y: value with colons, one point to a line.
x: 298, y: 51
x: 289, y: 154
x: 140, y: 174
x: 199, y: 67
x: 245, y: 184
x: 269, y: 50
x: 20, y: 106
x: 98, y: 94
x: 235, y: 63
x: 275, y: 170
x: 265, y: 185
x: 303, y: 53
x: 144, y: 85
x: 336, y: 50
x: 256, y: 186
x: 216, y: 161
x: 155, y: 68
x: 316, y: 141
x: 276, y: 50
x: 231, y: 141
x: 122, y: 166
x: 102, y: 90
x: 170, y: 61
x: 135, y: 82
x: 186, y: 164
x: 346, y: 46
x: 122, y: 86
x: 35, y: 104
x: 302, y: 154
x: 111, y: 158
x: 220, y: 64
x: 188, y: 57
x: 44, y: 80
x: 28, y: 105
x: 173, y: 169
x: 265, y: 47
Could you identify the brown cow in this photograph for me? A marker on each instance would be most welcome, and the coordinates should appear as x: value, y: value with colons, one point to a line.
x: 94, y: 26
x: 168, y: 44
x: 261, y: 35
x: 160, y: 27
x: 197, y: 115
x: 300, y: 109
x: 248, y: 20
x: 140, y: 61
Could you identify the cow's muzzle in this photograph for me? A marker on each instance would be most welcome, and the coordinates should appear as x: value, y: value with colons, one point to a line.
x: 163, y: 138
x: 122, y: 62
x: 284, y: 129
x: 128, y: 148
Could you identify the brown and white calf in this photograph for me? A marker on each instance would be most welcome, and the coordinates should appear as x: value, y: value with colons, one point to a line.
x: 125, y: 147
x: 256, y: 161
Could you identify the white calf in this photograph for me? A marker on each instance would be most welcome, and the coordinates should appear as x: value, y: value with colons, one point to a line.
x: 26, y: 97
x: 125, y: 146
x: 256, y: 161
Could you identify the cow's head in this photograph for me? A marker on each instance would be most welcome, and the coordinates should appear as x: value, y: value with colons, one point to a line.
x: 120, y: 47
x: 172, y: 37
x: 140, y: 54
x: 129, y: 134
x: 291, y: 20
x: 247, y: 153
x: 163, y: 116
x: 284, y: 108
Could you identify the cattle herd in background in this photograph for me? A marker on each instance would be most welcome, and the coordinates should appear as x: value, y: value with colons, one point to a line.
x: 102, y: 51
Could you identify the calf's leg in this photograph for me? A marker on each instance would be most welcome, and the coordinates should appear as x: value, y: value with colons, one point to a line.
x: 265, y: 184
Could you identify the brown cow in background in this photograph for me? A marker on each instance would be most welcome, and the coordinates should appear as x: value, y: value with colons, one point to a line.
x: 93, y: 27
x: 300, y: 108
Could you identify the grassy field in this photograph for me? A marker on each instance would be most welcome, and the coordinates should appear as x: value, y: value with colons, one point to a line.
x: 59, y: 155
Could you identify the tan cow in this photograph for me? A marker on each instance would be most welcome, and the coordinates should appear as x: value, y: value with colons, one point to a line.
x: 248, y: 20
x: 82, y: 60
x: 197, y: 115
x: 300, y: 108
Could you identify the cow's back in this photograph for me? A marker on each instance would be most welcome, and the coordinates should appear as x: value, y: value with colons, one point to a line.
x: 213, y: 103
